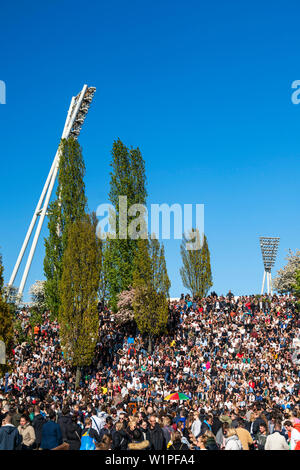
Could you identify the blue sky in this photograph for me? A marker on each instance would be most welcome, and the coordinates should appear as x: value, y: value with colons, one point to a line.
x: 204, y: 89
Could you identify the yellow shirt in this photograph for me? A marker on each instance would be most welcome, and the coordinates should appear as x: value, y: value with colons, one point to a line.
x: 245, y: 437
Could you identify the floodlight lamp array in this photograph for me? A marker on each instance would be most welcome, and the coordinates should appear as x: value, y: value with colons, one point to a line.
x: 83, y: 110
x: 269, y: 247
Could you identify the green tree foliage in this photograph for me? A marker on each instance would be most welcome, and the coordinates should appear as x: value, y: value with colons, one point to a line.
x: 108, y: 283
x: 206, y: 275
x: 142, y: 265
x: 53, y: 260
x: 296, y: 287
x: 160, y: 278
x: 101, y: 247
x: 196, y: 271
x: 150, y: 304
x: 78, y: 314
x: 150, y: 312
x: 127, y: 179
x: 1, y: 275
x: 6, y: 318
x: 68, y: 206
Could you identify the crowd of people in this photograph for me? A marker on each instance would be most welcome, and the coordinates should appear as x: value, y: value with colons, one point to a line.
x: 231, y: 356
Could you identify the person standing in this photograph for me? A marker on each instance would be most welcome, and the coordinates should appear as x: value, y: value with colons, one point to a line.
x: 276, y: 441
x: 156, y: 436
x: 244, y: 435
x: 294, y: 435
x: 207, y: 424
x: 261, y: 437
x: 51, y: 433
x: 89, y: 437
x: 167, y: 428
x: 27, y: 432
x: 232, y: 441
x: 38, y: 423
x: 196, y: 426
x: 66, y: 425
x: 73, y: 436
x: 10, y: 438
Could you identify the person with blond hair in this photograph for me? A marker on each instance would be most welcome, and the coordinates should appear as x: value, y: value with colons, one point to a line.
x: 120, y: 437
x: 167, y: 428
x: 232, y: 441
x: 176, y: 442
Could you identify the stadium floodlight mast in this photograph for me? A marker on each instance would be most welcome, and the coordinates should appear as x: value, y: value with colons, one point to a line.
x: 269, y: 247
x: 75, y: 118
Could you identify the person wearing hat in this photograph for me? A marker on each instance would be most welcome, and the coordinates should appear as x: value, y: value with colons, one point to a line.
x: 225, y: 419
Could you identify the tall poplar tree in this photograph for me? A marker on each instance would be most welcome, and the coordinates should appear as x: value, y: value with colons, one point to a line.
x: 150, y: 304
x: 206, y: 274
x: 69, y: 205
x: 160, y: 278
x: 128, y: 179
x: 78, y: 315
x: 196, y: 271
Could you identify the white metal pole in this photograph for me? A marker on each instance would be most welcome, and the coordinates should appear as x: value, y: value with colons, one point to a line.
x: 37, y: 233
x: 271, y: 286
x: 31, y: 226
x: 66, y: 133
x: 69, y: 115
x: 263, y: 283
x: 268, y: 283
x: 38, y: 208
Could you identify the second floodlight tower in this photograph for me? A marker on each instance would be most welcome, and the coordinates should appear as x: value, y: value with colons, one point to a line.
x: 269, y: 247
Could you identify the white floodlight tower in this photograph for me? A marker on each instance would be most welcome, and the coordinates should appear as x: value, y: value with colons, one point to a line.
x: 75, y: 118
x: 269, y: 247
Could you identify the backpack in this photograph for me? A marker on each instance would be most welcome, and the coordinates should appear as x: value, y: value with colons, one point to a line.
x: 87, y: 442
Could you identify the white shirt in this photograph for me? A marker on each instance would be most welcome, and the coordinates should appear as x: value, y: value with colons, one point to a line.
x: 97, y: 423
x: 295, y: 437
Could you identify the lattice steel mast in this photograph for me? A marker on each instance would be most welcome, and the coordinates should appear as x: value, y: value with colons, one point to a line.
x: 75, y: 118
x: 269, y: 247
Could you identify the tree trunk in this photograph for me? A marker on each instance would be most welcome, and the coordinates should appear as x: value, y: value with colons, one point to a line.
x: 78, y: 377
